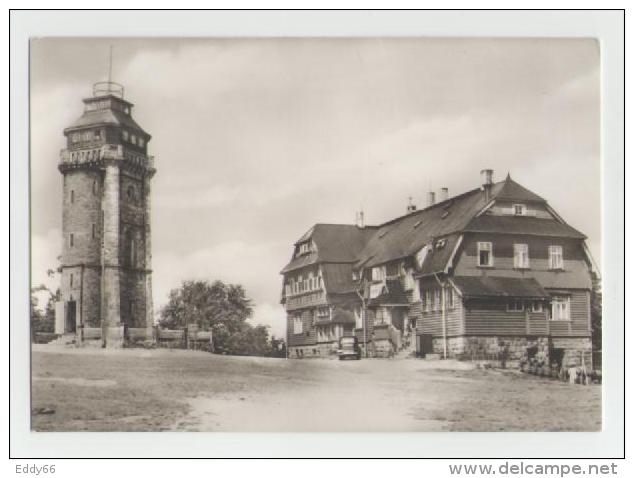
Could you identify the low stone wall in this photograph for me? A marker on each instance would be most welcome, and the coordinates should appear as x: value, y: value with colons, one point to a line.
x: 575, y: 350
x: 322, y: 350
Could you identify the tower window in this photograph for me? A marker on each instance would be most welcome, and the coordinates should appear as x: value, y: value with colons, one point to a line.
x: 72, y: 195
x: 71, y: 240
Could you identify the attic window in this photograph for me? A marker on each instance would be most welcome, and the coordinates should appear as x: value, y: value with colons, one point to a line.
x: 441, y: 243
x: 519, y: 209
x: 304, y: 248
x: 418, y: 223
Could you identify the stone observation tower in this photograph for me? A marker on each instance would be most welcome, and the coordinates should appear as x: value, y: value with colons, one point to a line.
x: 106, y: 283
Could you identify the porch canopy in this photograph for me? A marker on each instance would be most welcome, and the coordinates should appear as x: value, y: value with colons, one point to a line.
x: 502, y: 287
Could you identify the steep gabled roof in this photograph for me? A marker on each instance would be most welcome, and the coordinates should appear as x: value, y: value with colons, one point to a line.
x: 406, y: 235
x: 513, y: 191
x: 337, y: 243
x: 522, y: 225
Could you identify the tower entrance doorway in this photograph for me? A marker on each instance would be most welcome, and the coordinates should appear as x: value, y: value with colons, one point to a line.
x: 71, y: 317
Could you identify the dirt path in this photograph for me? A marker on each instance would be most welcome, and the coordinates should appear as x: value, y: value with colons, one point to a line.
x: 346, y: 398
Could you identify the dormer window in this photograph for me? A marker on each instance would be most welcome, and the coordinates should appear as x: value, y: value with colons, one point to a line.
x: 441, y: 243
x: 519, y: 209
x: 304, y: 248
x: 485, y: 254
x: 124, y: 135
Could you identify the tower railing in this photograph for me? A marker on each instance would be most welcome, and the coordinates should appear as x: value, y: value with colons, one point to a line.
x: 104, y: 88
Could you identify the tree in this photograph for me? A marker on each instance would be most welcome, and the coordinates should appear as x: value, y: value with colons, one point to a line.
x: 221, y: 308
x: 42, y: 322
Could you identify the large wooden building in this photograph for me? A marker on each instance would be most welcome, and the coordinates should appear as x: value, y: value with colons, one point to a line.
x: 494, y: 268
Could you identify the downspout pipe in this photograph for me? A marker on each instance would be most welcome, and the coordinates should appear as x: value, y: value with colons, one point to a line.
x: 444, y: 315
x: 363, y: 324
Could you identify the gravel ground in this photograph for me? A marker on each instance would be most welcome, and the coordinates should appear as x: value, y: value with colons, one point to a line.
x: 176, y: 390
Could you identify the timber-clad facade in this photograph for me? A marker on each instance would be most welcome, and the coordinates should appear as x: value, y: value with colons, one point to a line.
x: 493, y: 269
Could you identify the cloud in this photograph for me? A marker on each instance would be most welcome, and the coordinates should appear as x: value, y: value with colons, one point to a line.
x: 257, y: 140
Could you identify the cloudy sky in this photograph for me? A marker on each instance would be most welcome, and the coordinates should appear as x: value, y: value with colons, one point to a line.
x: 256, y: 140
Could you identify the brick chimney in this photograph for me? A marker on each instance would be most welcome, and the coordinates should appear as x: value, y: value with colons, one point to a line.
x: 431, y: 198
x: 487, y: 182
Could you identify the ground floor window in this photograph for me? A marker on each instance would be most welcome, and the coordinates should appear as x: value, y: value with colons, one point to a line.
x: 298, y: 326
x: 515, y: 306
x: 560, y: 308
x: 382, y: 316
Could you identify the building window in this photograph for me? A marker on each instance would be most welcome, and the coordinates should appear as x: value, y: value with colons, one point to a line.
x: 287, y: 289
x: 297, y: 325
x: 97, y: 134
x: 556, y: 257
x: 71, y: 240
x: 537, y: 306
x: 428, y: 304
x: 520, y: 256
x: 437, y: 299
x: 378, y: 273
x: 94, y: 188
x: 560, y: 308
x: 72, y: 196
x: 141, y: 142
x: 519, y: 209
x: 485, y: 254
x: 124, y: 135
x: 133, y: 138
x: 449, y: 298
x: 75, y: 137
x: 71, y: 279
x: 515, y: 306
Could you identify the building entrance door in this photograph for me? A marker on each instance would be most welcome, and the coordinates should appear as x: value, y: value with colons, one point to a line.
x: 71, y: 317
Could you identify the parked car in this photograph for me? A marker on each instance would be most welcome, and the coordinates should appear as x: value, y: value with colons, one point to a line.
x: 349, y: 348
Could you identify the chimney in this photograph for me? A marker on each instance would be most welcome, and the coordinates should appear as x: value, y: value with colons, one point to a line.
x: 487, y: 181
x: 444, y: 194
x: 431, y: 198
x: 411, y: 207
x: 360, y: 220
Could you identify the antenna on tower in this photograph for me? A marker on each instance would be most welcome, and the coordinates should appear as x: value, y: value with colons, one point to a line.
x: 104, y: 88
x: 110, y: 67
